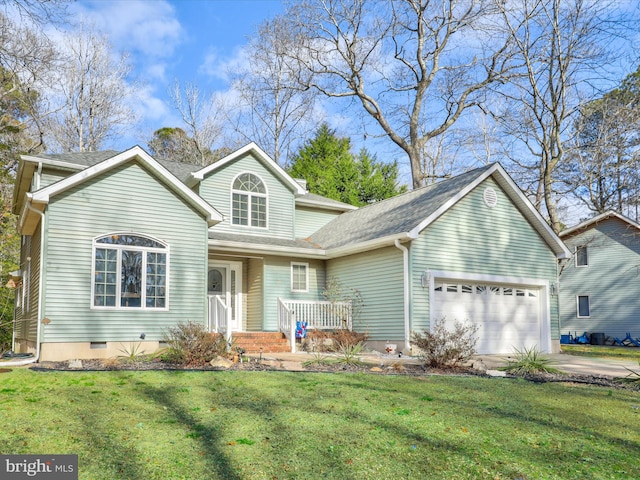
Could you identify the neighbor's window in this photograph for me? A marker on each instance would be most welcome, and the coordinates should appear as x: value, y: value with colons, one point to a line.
x: 299, y: 277
x: 130, y: 271
x: 583, y: 306
x: 582, y: 258
x: 249, y: 201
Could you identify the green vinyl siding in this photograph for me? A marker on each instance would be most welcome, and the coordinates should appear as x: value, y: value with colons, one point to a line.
x: 52, y: 176
x: 216, y: 189
x: 255, y: 289
x: 473, y: 238
x: 378, y: 276
x: 125, y: 199
x: 610, y: 280
x: 27, y: 317
x: 277, y: 276
x: 309, y: 220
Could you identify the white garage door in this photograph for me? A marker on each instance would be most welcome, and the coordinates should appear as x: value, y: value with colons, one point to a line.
x: 508, y: 316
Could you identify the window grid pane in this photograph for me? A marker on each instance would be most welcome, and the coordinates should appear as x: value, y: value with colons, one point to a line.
x: 299, y: 277
x: 156, y: 280
x: 258, y: 211
x: 240, y: 209
x: 106, y: 265
x: 131, y: 279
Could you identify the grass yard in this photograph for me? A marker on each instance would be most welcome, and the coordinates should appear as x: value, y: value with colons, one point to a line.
x: 622, y: 353
x: 283, y: 425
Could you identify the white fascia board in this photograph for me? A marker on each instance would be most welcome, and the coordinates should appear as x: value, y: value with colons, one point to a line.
x: 599, y: 218
x: 254, y: 248
x: 367, y: 246
x: 261, y: 155
x: 44, y: 195
x: 532, y: 214
x: 327, y: 206
x: 53, y: 163
x: 481, y: 277
x: 516, y: 195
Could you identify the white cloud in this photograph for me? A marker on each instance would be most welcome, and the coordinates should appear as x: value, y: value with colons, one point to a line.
x: 148, y: 28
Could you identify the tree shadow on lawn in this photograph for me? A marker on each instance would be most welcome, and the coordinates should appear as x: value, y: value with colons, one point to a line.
x: 209, y: 437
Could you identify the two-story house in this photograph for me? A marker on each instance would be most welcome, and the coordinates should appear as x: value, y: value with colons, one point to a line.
x: 117, y: 247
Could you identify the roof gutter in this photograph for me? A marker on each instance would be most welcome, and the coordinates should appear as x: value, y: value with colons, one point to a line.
x: 34, y: 359
x: 407, y: 299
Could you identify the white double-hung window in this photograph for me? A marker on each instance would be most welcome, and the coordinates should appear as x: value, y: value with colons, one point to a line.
x: 130, y: 271
x: 249, y: 201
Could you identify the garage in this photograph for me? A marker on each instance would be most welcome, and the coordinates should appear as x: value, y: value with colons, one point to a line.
x: 508, y: 315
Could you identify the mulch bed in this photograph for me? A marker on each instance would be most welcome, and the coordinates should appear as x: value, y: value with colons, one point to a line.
x: 275, y: 365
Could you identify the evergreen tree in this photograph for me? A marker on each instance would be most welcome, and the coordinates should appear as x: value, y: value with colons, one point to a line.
x: 331, y: 170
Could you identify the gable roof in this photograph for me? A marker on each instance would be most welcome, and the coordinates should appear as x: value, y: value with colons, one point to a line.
x: 587, y: 224
x: 403, y: 217
x: 260, y: 155
x: 95, y: 163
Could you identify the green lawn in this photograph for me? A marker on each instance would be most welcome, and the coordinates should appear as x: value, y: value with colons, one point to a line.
x: 283, y: 425
x: 625, y: 353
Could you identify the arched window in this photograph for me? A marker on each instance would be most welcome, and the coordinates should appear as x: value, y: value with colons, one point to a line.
x: 249, y: 201
x: 130, y: 271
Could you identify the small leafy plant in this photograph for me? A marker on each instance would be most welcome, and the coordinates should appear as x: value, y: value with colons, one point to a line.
x: 633, y: 377
x: 349, y: 354
x: 318, y: 358
x: 131, y: 353
x: 443, y: 347
x: 528, y: 361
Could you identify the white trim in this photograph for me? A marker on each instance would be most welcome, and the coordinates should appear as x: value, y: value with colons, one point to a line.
x: 249, y: 195
x: 407, y: 294
x: 119, y: 248
x: 514, y: 192
x: 588, y: 297
x: 52, y: 162
x: 229, y: 266
x: 544, y: 298
x: 260, y: 155
x: 306, y: 279
x: 575, y: 258
x: 603, y: 216
x: 43, y: 196
x: 326, y: 206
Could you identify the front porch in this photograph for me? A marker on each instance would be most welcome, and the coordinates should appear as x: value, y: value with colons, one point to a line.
x: 294, y: 317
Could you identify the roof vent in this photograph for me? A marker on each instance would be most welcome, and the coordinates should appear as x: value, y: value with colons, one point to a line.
x: 490, y: 197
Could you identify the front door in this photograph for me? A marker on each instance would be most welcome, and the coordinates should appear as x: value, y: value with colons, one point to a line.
x: 224, y: 281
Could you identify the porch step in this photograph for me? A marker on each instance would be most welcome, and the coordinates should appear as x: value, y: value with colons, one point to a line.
x: 270, y: 342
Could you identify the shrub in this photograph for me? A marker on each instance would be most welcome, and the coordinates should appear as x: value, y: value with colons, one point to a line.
x: 334, y: 340
x: 442, y: 347
x: 190, y: 344
x: 348, y: 354
x: 528, y: 361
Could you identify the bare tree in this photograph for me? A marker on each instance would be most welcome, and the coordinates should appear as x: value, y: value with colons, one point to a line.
x: 94, y: 92
x: 271, y: 109
x: 202, y: 117
x: 413, y: 66
x: 563, y: 47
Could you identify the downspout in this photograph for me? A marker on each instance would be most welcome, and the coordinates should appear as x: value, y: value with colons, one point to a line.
x: 407, y: 304
x: 34, y: 359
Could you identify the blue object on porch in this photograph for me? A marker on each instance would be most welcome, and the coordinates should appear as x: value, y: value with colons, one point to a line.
x: 565, y: 339
x: 301, y: 329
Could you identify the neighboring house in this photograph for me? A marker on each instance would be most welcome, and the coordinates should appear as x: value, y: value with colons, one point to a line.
x: 117, y: 247
x: 599, y: 285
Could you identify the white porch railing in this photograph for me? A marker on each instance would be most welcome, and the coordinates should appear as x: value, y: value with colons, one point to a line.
x: 319, y: 315
x: 219, y: 315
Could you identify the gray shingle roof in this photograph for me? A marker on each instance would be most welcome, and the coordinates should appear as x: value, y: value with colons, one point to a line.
x: 87, y: 159
x: 393, y: 216
x: 82, y: 159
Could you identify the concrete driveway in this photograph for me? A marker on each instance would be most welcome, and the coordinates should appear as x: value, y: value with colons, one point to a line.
x: 601, y: 367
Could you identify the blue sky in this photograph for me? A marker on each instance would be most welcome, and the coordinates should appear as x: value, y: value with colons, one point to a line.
x: 187, y: 40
